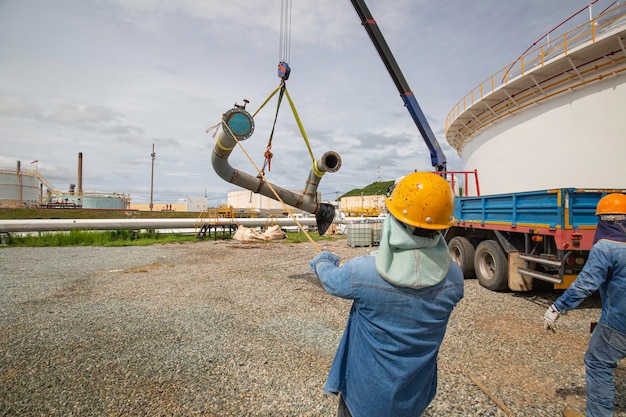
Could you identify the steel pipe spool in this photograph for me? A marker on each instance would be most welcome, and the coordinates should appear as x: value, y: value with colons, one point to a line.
x: 238, y: 123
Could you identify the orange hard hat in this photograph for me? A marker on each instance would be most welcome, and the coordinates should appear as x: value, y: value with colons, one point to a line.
x: 612, y: 204
x: 424, y: 200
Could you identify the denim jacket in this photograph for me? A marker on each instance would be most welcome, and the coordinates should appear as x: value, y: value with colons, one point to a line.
x: 604, y: 271
x: 386, y: 362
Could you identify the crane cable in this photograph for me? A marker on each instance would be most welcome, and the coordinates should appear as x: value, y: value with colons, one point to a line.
x: 284, y: 55
x: 283, y: 73
x: 284, y: 44
x: 283, y: 87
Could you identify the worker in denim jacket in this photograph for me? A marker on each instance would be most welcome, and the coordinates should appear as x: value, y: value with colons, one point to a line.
x: 386, y: 362
x: 604, y: 271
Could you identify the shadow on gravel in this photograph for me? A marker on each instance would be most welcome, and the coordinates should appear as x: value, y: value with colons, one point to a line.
x: 620, y: 391
x: 571, y: 391
x: 544, y: 294
x: 307, y: 277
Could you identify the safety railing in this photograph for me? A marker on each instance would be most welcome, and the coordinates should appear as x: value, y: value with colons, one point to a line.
x: 554, y: 43
x: 460, y: 182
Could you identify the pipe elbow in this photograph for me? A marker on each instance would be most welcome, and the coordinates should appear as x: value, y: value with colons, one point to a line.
x: 237, y: 125
x: 329, y: 162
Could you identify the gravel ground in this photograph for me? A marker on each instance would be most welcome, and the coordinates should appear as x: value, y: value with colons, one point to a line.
x: 230, y: 329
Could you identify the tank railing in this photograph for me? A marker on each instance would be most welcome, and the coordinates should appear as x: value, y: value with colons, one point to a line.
x: 611, y: 18
x: 123, y: 196
x: 464, y: 188
x: 14, y: 171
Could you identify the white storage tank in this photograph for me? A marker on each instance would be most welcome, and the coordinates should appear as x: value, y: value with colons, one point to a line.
x: 554, y: 117
x: 18, y: 188
x: 105, y: 201
x: 89, y: 201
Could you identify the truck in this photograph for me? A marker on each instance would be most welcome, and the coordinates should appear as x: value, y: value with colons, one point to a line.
x: 509, y: 240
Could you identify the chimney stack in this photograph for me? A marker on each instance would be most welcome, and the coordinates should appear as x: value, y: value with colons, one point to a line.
x: 80, y: 173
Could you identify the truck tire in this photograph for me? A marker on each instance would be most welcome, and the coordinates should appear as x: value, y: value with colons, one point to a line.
x: 462, y: 252
x: 491, y: 266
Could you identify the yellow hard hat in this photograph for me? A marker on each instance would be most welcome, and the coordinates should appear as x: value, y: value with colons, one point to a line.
x: 612, y: 204
x: 424, y: 200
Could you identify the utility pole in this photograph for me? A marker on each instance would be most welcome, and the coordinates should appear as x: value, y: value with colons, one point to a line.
x: 153, y: 155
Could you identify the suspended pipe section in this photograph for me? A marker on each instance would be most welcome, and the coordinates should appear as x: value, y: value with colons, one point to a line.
x: 238, y: 125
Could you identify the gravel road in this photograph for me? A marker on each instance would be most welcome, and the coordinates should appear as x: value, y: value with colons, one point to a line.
x: 230, y: 329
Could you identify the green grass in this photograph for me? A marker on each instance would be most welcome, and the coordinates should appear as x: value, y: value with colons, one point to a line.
x: 296, y: 237
x: 42, y: 213
x: 95, y: 238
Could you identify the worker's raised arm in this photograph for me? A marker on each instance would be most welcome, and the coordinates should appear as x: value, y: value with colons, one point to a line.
x: 334, y: 278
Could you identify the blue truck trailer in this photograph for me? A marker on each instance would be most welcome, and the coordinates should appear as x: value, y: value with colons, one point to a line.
x: 509, y: 240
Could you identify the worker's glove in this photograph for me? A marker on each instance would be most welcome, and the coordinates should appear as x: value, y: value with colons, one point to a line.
x: 321, y: 258
x: 550, y: 317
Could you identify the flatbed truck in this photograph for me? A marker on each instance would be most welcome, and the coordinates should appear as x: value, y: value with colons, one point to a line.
x: 509, y: 240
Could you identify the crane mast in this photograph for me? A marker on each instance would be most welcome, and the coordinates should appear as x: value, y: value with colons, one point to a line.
x: 437, y: 156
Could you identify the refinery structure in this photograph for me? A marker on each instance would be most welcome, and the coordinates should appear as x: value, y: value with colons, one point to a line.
x: 29, y: 188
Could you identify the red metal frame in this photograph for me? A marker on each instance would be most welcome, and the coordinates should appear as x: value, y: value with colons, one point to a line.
x: 466, y: 175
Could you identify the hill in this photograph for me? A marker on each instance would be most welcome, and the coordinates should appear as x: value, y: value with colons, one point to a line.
x: 375, y: 188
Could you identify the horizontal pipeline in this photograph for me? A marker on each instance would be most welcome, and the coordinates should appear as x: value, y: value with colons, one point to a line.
x: 39, y: 225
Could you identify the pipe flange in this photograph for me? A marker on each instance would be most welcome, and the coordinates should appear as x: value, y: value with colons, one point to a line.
x: 240, y: 123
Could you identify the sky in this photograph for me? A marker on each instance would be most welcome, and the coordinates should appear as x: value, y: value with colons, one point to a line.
x: 110, y: 78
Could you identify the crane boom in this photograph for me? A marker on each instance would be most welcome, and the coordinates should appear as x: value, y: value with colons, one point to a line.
x: 437, y: 156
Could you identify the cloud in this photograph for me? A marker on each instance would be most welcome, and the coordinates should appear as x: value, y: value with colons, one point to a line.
x: 19, y: 107
x: 67, y: 113
x: 121, y: 130
x: 167, y: 142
